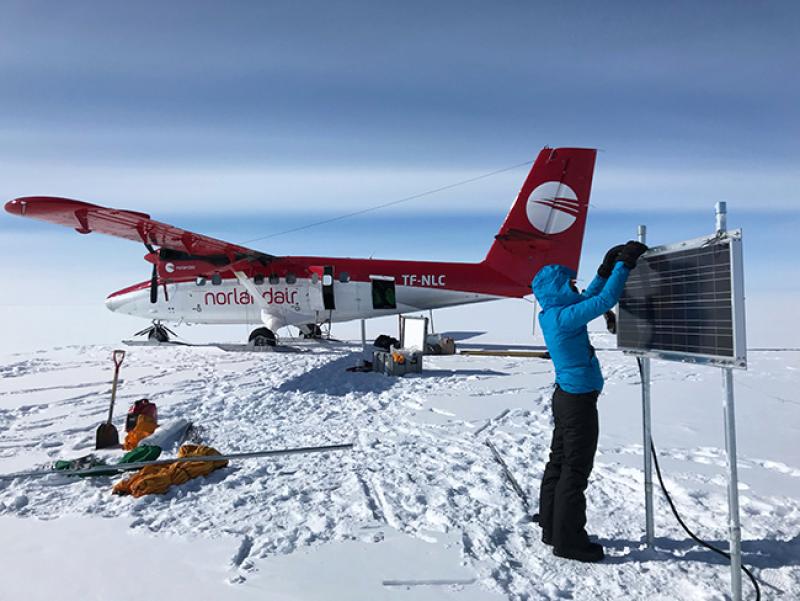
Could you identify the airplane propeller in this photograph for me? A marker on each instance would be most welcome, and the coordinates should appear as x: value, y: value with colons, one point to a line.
x: 154, y: 284
x: 154, y: 276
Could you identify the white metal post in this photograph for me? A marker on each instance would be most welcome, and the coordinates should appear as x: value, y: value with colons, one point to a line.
x: 647, y: 430
x: 364, y: 338
x: 735, y: 548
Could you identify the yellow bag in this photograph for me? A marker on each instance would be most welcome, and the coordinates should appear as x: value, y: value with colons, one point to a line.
x: 145, y: 426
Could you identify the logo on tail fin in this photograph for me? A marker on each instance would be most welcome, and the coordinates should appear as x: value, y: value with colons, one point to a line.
x: 552, y: 207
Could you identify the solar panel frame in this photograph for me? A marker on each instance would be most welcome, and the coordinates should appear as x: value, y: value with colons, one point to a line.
x: 701, y: 314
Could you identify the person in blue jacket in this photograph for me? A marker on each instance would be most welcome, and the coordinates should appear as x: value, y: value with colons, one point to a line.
x: 564, y: 316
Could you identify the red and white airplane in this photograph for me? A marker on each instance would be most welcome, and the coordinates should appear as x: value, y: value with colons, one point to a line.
x: 201, y: 280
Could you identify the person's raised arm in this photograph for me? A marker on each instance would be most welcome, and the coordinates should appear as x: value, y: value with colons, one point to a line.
x: 585, y: 311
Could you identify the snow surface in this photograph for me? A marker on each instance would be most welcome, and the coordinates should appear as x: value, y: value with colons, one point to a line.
x: 418, y: 510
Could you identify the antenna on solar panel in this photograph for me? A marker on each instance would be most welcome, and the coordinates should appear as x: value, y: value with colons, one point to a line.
x: 685, y: 302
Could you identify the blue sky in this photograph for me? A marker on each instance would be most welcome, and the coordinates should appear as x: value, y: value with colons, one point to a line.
x: 243, y: 119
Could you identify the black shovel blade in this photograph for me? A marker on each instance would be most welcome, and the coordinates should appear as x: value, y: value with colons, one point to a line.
x: 107, y: 436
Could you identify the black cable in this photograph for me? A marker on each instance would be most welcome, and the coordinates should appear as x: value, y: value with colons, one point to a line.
x: 390, y: 204
x: 678, y: 517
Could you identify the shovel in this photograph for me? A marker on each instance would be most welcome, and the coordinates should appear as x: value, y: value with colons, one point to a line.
x: 107, y: 435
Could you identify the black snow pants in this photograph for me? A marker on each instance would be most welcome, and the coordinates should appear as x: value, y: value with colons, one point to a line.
x: 562, y: 504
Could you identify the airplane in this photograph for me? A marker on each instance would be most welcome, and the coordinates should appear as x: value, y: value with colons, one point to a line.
x: 197, y: 279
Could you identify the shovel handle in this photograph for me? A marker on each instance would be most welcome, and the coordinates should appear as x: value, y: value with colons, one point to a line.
x: 117, y: 356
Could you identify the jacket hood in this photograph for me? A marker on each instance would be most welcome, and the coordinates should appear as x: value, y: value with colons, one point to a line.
x: 551, y: 287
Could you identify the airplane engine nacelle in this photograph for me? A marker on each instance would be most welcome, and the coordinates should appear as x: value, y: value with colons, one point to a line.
x: 186, y: 269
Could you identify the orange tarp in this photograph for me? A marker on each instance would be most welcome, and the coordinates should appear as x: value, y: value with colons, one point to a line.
x: 156, y: 479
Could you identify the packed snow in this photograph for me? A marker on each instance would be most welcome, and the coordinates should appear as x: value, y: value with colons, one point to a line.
x: 419, y: 509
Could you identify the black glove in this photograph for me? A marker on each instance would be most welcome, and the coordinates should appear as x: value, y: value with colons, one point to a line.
x: 608, y: 261
x: 631, y: 253
x: 611, y: 321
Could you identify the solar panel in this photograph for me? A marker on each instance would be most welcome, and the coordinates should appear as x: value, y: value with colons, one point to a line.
x: 685, y: 302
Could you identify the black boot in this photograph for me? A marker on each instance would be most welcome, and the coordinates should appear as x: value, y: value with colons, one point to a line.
x: 590, y: 553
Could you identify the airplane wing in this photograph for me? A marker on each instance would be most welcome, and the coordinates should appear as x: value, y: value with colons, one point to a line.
x: 86, y: 218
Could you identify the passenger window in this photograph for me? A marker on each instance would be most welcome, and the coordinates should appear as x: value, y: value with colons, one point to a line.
x: 216, y: 279
x: 383, y: 294
x: 291, y: 278
x: 315, y: 278
x: 344, y: 277
x: 258, y: 279
x: 274, y: 279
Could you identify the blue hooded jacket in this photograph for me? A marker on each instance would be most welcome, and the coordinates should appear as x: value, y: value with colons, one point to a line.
x: 564, y: 316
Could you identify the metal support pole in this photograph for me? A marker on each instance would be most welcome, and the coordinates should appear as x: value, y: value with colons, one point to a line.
x: 735, y: 548
x: 364, y: 337
x: 430, y: 321
x: 647, y: 430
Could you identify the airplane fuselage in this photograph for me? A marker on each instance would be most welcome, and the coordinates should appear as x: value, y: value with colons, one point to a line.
x: 313, y: 290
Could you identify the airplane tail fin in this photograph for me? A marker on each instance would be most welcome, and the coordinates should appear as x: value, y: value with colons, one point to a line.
x: 547, y: 220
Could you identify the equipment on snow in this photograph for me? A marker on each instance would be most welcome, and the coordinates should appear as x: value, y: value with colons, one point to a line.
x: 84, y: 462
x: 141, y: 454
x: 92, y: 461
x: 397, y: 362
x: 157, y: 479
x: 142, y: 406
x: 385, y: 342
x: 145, y: 426
x: 135, y: 466
x: 362, y: 366
x: 439, y: 344
x: 512, y: 480
x: 107, y: 435
x: 167, y: 435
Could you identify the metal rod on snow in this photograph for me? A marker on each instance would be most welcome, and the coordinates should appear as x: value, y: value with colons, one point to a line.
x: 647, y: 429
x: 124, y: 467
x: 511, y: 479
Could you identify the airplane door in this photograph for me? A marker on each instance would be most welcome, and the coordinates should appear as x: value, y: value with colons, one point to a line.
x: 328, y: 300
x: 321, y: 294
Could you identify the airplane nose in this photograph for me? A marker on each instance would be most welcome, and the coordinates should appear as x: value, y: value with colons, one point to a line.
x: 113, y: 302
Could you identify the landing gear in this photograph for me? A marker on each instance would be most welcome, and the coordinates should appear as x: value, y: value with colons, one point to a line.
x: 262, y: 337
x: 311, y: 330
x: 157, y: 332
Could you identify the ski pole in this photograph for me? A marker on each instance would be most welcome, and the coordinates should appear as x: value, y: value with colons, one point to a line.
x: 123, y: 467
